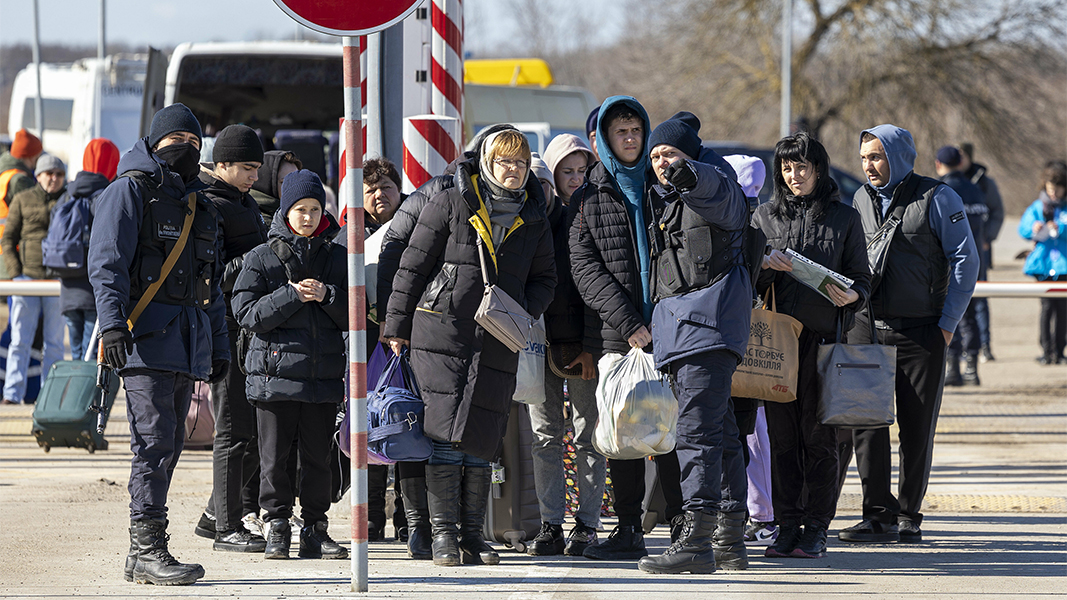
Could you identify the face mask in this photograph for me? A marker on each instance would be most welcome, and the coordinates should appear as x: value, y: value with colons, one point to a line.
x: 183, y: 159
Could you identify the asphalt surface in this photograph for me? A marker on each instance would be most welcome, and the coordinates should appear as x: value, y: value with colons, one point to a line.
x: 995, y: 526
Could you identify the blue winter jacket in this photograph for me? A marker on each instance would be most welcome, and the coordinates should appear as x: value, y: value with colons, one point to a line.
x: 1048, y: 259
x: 716, y: 317
x: 167, y: 337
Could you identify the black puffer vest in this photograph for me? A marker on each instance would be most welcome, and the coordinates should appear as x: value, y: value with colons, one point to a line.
x: 189, y: 281
x: 915, y: 281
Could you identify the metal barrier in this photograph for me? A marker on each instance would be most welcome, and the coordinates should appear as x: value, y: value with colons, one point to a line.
x: 984, y: 289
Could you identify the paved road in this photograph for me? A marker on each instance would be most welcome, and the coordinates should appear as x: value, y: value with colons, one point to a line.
x: 996, y: 523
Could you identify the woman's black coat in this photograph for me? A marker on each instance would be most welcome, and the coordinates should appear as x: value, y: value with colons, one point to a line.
x: 296, y: 351
x: 467, y: 377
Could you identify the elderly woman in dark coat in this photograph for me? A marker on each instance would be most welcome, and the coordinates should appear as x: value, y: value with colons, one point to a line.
x: 467, y: 377
x: 292, y: 296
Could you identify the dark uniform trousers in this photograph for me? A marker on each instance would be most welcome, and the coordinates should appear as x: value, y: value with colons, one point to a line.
x: 628, y: 486
x: 919, y: 383
x: 235, y: 455
x: 709, y: 446
x: 156, y: 405
x: 280, y: 422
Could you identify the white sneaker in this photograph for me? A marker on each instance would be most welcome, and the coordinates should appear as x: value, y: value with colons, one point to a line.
x: 760, y: 534
x: 254, y: 524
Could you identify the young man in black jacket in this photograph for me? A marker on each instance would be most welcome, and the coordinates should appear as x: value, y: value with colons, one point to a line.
x: 610, y: 264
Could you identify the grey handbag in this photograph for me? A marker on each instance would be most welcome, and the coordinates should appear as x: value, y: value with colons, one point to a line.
x: 856, y: 382
x: 500, y: 315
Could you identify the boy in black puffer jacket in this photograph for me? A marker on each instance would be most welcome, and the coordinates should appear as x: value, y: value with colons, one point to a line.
x: 291, y: 294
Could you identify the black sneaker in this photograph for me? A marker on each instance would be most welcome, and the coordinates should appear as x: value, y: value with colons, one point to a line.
x: 909, y: 532
x: 786, y: 542
x: 986, y: 355
x: 315, y: 542
x: 870, y: 531
x: 548, y: 541
x: 239, y: 540
x: 205, y: 528
x: 581, y: 537
x: 812, y: 542
x: 626, y: 542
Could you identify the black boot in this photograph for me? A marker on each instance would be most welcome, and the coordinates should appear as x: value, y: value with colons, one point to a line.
x: 377, y: 482
x: 279, y: 538
x: 154, y: 563
x: 626, y: 542
x: 693, y: 552
x: 418, y: 516
x: 952, y: 370
x: 729, y: 541
x: 472, y: 546
x: 131, y: 558
x: 970, y: 370
x: 315, y: 542
x: 443, y: 489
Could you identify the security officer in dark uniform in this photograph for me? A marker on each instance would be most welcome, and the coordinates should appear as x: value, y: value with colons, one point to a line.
x: 179, y: 337
x: 700, y: 328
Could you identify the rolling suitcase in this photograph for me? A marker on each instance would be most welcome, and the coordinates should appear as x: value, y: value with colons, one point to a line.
x: 61, y: 416
x: 512, y: 516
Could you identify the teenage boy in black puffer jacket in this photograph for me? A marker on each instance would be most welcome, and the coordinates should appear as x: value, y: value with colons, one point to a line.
x: 292, y: 295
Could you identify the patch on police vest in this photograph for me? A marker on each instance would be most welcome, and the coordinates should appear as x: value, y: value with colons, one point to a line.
x: 956, y: 218
x: 167, y: 231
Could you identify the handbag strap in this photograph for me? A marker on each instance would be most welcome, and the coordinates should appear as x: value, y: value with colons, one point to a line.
x: 870, y: 323
x: 401, y: 362
x: 481, y: 259
x: 168, y: 264
x: 770, y: 300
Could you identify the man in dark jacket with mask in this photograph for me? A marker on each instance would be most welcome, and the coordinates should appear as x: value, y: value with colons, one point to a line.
x: 237, y: 156
x: 917, y: 298
x: 159, y: 338
x: 703, y: 292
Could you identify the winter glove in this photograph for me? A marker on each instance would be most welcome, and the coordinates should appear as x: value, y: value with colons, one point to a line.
x: 117, y: 344
x: 219, y: 369
x: 682, y: 175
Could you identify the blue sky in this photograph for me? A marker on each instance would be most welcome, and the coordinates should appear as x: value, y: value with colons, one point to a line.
x: 164, y: 23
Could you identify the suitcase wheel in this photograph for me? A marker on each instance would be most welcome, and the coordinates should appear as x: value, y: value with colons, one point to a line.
x: 46, y: 447
x: 520, y: 547
x: 91, y: 447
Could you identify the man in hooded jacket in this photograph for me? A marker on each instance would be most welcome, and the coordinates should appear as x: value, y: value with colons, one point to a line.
x: 180, y: 335
x: 917, y: 300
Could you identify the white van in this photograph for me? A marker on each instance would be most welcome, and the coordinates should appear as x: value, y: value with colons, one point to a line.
x: 86, y: 99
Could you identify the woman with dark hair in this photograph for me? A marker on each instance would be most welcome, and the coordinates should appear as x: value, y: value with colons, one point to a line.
x: 806, y: 215
x: 494, y: 213
x: 1045, y: 223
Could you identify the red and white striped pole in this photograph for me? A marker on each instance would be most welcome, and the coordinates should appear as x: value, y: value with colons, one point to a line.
x: 430, y: 144
x: 446, y: 57
x: 357, y: 311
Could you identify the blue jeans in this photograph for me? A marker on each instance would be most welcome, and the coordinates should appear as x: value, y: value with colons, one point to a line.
x: 25, y: 311
x: 549, y: 426
x: 80, y: 325
x: 443, y: 454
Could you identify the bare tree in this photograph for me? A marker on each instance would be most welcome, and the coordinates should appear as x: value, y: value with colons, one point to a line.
x: 761, y: 330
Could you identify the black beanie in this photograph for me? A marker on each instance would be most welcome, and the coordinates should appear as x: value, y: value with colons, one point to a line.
x: 237, y: 143
x: 176, y: 117
x: 299, y: 185
x: 679, y: 131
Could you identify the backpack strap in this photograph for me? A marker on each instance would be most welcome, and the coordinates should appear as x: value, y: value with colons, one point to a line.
x: 168, y: 264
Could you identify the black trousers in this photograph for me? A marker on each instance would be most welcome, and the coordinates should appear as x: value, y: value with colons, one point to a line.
x: 1053, y: 335
x: 235, y: 453
x: 279, y: 423
x: 920, y: 381
x: 709, y: 445
x: 156, y: 405
x: 745, y: 412
x: 628, y: 486
x: 803, y: 451
x: 968, y: 336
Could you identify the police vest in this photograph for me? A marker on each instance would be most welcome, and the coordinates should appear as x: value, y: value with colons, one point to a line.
x: 688, y: 253
x: 189, y: 281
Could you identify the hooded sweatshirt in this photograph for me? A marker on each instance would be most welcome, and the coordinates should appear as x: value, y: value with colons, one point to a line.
x: 266, y: 190
x: 947, y: 220
x: 631, y: 183
x: 562, y: 146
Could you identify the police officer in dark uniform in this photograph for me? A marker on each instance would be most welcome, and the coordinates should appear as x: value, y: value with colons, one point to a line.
x: 180, y: 335
x: 700, y: 328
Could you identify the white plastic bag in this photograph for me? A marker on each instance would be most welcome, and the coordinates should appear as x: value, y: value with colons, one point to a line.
x: 530, y: 377
x: 638, y: 414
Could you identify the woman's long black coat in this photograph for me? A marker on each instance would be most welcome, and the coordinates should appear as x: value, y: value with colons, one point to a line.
x: 466, y: 376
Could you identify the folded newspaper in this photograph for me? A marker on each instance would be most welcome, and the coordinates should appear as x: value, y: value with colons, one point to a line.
x: 816, y: 276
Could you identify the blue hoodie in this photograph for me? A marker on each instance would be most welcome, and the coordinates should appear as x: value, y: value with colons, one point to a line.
x: 954, y: 234
x: 631, y: 183
x: 167, y: 337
